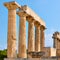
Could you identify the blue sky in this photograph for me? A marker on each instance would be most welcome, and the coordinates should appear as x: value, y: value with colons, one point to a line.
x: 48, y: 10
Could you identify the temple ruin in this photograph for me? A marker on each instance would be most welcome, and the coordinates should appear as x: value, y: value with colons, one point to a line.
x: 25, y: 14
x: 36, y: 47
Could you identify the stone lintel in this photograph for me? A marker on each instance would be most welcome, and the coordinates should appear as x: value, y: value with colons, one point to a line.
x: 12, y: 5
x: 33, y: 14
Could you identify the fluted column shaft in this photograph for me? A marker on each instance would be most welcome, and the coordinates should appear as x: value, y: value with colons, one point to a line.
x: 42, y: 38
x: 37, y: 38
x: 55, y: 43
x: 11, y: 44
x: 31, y: 36
x: 22, y: 38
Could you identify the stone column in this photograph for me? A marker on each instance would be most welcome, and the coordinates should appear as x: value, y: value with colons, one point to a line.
x: 31, y: 42
x: 11, y: 48
x: 37, y: 38
x: 42, y: 38
x: 55, y: 43
x: 22, y: 36
x: 11, y: 43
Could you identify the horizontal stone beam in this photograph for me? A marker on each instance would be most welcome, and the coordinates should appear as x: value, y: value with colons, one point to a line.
x: 30, y: 12
x: 26, y: 9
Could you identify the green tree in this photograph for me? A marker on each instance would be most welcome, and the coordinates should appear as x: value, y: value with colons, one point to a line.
x: 3, y: 54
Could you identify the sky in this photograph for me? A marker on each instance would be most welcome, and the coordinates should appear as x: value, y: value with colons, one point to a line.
x: 48, y: 10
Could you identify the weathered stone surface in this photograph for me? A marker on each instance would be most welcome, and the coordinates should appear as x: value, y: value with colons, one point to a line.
x: 11, y: 48
x: 56, y: 37
x: 49, y: 52
x: 55, y: 43
x: 11, y: 44
x: 42, y: 38
x: 25, y: 13
x: 53, y: 52
x: 22, y: 38
x: 58, y: 52
x: 49, y: 58
x: 37, y: 38
x: 31, y: 41
x: 22, y: 59
x: 31, y: 13
x: 12, y: 5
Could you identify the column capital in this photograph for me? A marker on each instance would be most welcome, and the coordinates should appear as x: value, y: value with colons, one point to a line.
x: 42, y: 28
x: 37, y: 24
x: 54, y: 37
x: 21, y: 13
x: 30, y: 19
x: 12, y: 5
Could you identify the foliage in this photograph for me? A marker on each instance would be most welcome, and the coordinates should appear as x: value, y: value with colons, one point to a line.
x: 3, y: 54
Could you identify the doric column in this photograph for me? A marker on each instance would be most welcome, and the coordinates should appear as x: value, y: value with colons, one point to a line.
x: 56, y: 40
x: 55, y: 43
x: 11, y: 44
x: 37, y: 38
x: 31, y: 43
x: 22, y: 36
x: 42, y: 38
